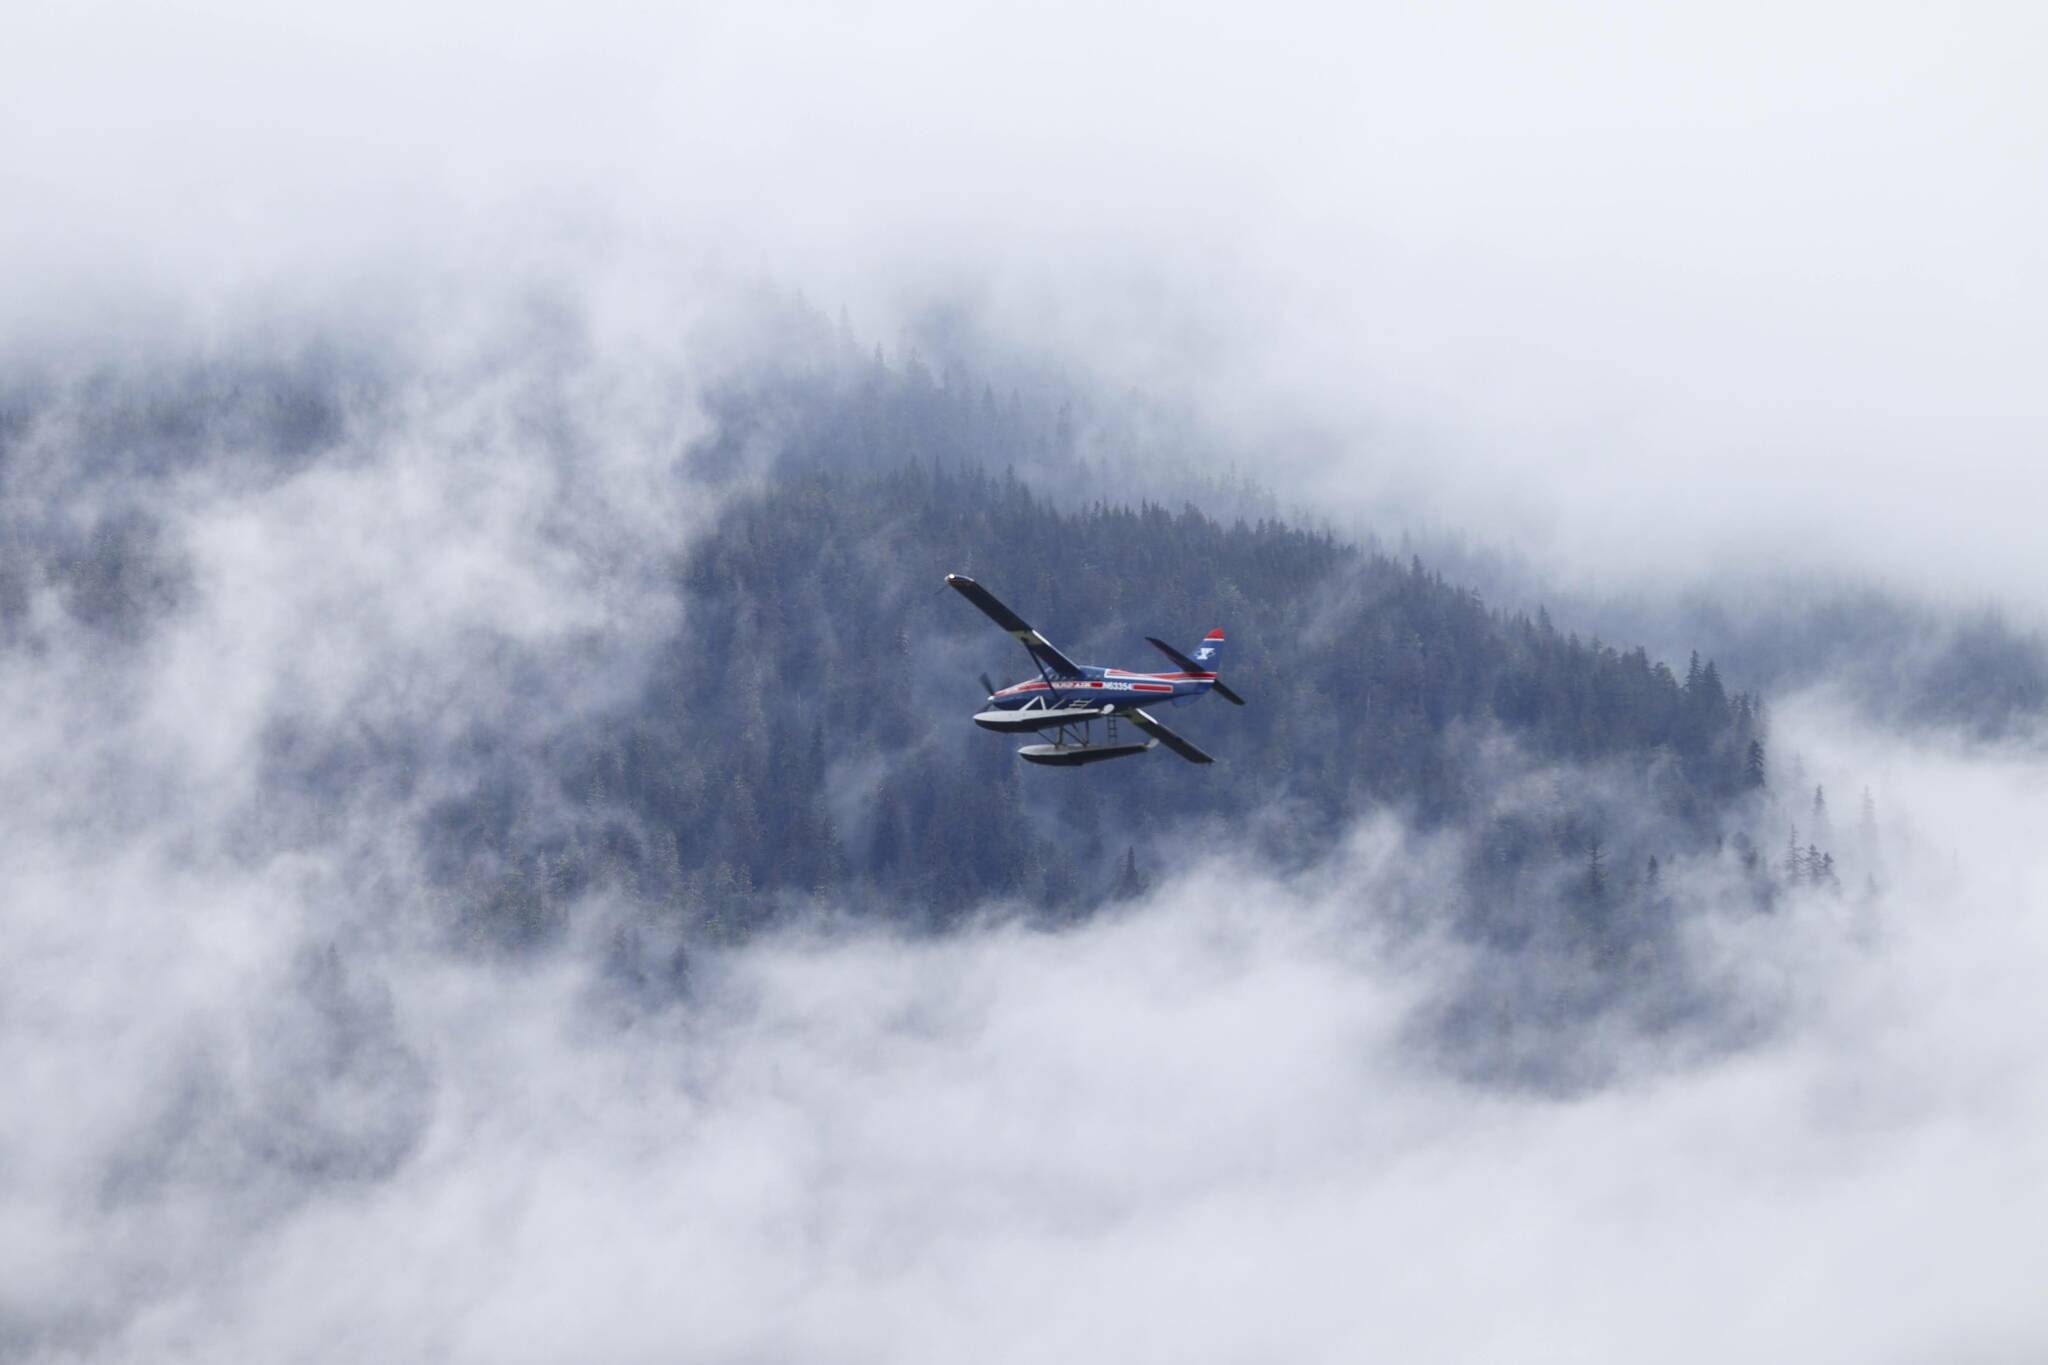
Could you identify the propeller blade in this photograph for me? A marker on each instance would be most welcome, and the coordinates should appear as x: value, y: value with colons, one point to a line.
x: 987, y: 686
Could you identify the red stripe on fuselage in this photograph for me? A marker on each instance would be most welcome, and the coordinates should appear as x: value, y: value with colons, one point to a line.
x: 1148, y: 682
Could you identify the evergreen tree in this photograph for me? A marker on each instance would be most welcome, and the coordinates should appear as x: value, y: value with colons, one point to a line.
x: 1373, y: 677
x: 1129, y: 883
x: 1867, y: 839
x: 1817, y: 868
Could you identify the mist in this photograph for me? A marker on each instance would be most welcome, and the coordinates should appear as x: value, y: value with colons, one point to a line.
x: 367, y: 386
x: 1637, y: 294
x: 1196, y: 1126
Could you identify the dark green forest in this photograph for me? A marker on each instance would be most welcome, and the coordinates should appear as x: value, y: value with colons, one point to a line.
x: 806, y: 732
x: 802, y: 736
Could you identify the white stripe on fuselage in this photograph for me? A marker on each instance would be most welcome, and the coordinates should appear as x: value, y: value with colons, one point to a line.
x: 1140, y: 683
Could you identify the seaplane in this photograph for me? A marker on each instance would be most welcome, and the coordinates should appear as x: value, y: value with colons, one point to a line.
x: 1068, y: 699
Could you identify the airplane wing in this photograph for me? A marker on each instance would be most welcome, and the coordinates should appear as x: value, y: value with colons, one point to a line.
x: 1157, y: 729
x: 1041, y: 648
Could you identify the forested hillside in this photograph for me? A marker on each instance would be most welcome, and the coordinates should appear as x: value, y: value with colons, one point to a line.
x: 807, y: 730
x: 814, y: 626
x: 803, y: 732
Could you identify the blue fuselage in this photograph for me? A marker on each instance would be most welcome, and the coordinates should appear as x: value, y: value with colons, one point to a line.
x: 1102, y: 687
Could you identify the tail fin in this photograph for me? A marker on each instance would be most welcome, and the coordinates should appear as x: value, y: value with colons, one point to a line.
x: 1210, y: 656
x: 1207, y: 660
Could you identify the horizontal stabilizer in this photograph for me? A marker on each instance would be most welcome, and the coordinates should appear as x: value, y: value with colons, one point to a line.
x: 1188, y: 665
x: 1181, y: 661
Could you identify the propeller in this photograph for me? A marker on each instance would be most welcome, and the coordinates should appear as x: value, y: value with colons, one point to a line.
x: 987, y: 686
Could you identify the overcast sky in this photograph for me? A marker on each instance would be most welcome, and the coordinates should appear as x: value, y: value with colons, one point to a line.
x: 1648, y: 291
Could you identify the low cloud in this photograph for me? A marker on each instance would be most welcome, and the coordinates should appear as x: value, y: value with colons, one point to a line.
x: 1199, y: 1126
x: 269, y: 1109
x: 1655, y: 297
x: 1645, y: 296
x: 237, y: 677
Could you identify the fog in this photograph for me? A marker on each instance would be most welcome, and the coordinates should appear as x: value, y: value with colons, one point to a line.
x: 1645, y: 294
x: 1643, y: 298
x: 1194, y: 1127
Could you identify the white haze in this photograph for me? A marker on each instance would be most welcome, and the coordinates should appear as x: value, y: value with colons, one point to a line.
x: 1651, y: 292
x: 1194, y: 1129
x: 490, y: 548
